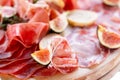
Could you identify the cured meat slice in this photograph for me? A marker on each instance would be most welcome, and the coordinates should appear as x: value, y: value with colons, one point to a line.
x: 6, y: 2
x: 21, y: 7
x: 46, y: 71
x: 33, y: 12
x: 27, y: 52
x: 10, y: 51
x: 2, y: 35
x: 19, y: 61
x: 5, y: 55
x: 27, y: 70
x: 2, y: 41
x: 53, y: 14
x: 64, y: 60
x: 27, y: 33
x: 85, y: 44
x: 17, y: 53
x: 38, y: 15
x: 13, y: 66
x: 4, y: 44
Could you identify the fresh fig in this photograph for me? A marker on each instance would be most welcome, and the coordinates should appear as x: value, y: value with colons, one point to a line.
x: 42, y: 56
x: 45, y: 54
x: 59, y: 24
x: 107, y: 38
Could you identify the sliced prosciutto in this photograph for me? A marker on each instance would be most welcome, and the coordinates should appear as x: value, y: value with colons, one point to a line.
x: 85, y: 44
x: 45, y: 71
x: 33, y: 12
x: 38, y: 15
x: 6, y: 2
x: 3, y: 42
x: 79, y: 48
x: 63, y: 60
x: 27, y: 70
x: 27, y: 33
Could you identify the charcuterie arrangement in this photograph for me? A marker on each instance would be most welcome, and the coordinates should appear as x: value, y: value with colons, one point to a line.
x: 43, y: 38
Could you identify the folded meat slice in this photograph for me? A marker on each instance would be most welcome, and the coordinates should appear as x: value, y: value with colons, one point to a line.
x: 13, y: 66
x: 64, y: 59
x: 27, y: 33
x: 3, y: 41
x: 6, y: 2
x: 38, y: 12
x: 45, y: 71
x: 20, y: 64
x: 38, y: 15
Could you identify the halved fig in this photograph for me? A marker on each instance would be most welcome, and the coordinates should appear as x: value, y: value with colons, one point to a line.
x: 112, y: 2
x: 46, y: 40
x: 107, y: 38
x: 48, y: 44
x: 59, y: 24
x: 42, y: 56
x: 81, y: 18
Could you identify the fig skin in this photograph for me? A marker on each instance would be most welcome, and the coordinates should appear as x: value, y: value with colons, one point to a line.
x: 42, y: 56
x: 108, y: 39
x: 59, y: 24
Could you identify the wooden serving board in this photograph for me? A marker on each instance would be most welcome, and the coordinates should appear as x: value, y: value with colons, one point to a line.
x: 103, y: 71
x: 111, y: 73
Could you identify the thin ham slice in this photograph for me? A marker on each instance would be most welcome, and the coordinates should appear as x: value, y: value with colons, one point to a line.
x: 2, y: 34
x: 3, y: 41
x: 20, y: 61
x: 6, y: 2
x: 26, y: 53
x: 85, y: 44
x: 54, y: 13
x: 4, y: 44
x: 46, y: 71
x: 13, y: 66
x: 64, y: 60
x: 27, y: 70
x: 21, y: 7
x: 27, y: 33
x: 38, y: 15
x: 38, y: 12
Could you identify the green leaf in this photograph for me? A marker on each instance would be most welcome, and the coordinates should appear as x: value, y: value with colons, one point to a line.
x: 34, y: 1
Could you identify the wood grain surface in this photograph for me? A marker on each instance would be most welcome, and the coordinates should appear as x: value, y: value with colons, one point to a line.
x: 111, y: 73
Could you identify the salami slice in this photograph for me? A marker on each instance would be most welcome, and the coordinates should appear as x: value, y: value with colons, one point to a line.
x: 85, y: 44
